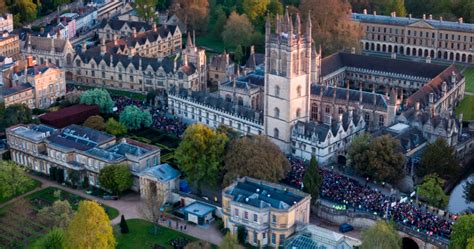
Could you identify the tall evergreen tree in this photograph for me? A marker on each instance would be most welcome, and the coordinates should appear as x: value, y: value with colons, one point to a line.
x: 123, y: 225
x: 312, y: 180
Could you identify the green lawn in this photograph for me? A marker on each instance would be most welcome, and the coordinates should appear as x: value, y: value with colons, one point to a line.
x: 35, y: 184
x: 469, y: 74
x: 46, y: 196
x: 466, y: 107
x: 210, y: 43
x: 140, y: 235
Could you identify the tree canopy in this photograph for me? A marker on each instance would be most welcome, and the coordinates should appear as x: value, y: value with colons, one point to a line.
x: 54, y: 239
x: 114, y: 127
x: 431, y: 189
x: 312, y: 180
x: 58, y: 215
x: 133, y: 118
x: 13, y: 179
x: 381, y: 235
x: 254, y: 156
x: 462, y: 232
x: 145, y: 8
x: 99, y: 97
x: 469, y: 191
x: 230, y: 242
x: 199, y: 155
x: 378, y: 158
x: 439, y: 158
x: 90, y: 228
x: 95, y: 122
x: 238, y: 30
x: 330, y: 26
x: 14, y: 114
x: 116, y: 178
x: 194, y: 13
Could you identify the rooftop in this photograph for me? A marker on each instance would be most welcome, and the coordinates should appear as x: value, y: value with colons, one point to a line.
x: 79, y: 137
x: 33, y: 132
x: 263, y: 194
x: 163, y: 172
x: 16, y: 89
x: 199, y: 208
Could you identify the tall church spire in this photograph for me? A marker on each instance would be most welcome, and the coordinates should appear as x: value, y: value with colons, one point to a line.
x: 309, y: 26
x: 298, y: 24
x: 189, y: 41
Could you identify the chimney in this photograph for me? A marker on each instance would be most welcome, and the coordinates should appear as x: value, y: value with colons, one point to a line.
x: 417, y: 106
x: 375, y: 13
x: 440, y: 18
x: 461, y: 20
x: 185, y: 59
x: 103, y: 48
x: 424, y: 16
x: 115, y: 37
x: 29, y: 60
x: 431, y: 98
x: 460, y: 122
x: 430, y: 17
x: 353, y: 50
x: 134, y: 32
x: 252, y: 49
x: 226, y: 58
x: 84, y: 47
x: 444, y: 88
x: 365, y: 11
x: 42, y: 30
x: 155, y: 29
x: 393, y: 14
x: 453, y: 77
x: 409, y: 16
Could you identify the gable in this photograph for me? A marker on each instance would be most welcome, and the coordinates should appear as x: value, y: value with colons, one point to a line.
x: 421, y: 24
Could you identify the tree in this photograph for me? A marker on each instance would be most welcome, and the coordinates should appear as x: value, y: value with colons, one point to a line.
x: 95, y: 122
x: 398, y: 6
x: 439, y: 158
x: 381, y: 235
x: 54, y: 239
x: 220, y: 21
x: 13, y: 179
x: 14, y: 114
x: 331, y: 27
x: 116, y: 178
x: 230, y: 242
x: 312, y: 180
x: 27, y: 10
x: 238, y: 31
x: 146, y: 8
x: 115, y: 128
x: 90, y: 228
x: 255, y: 9
x: 193, y: 13
x: 254, y: 156
x: 123, y: 225
x: 133, y: 118
x: 199, y: 155
x: 431, y: 189
x: 275, y: 7
x: 99, y: 97
x: 462, y: 232
x: 238, y: 54
x: 199, y: 244
x: 469, y: 191
x: 58, y: 215
x: 151, y: 207
x: 378, y: 158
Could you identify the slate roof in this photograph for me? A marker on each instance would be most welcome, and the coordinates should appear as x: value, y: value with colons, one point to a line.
x: 151, y: 35
x: 113, y: 59
x: 44, y: 43
x: 354, y: 95
x: 405, y: 21
x: 220, y: 62
x: 16, y: 89
x: 33, y: 132
x: 38, y: 69
x: 254, y: 60
x: 163, y: 172
x: 117, y: 24
x: 434, y: 86
x: 262, y: 195
x: 336, y: 61
x: 80, y: 138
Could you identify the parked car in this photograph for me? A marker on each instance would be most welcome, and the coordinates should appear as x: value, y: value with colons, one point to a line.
x: 344, y: 228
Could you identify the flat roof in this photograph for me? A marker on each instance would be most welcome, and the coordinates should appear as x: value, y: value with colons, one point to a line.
x: 163, y: 172
x: 399, y: 127
x: 34, y: 132
x: 199, y: 208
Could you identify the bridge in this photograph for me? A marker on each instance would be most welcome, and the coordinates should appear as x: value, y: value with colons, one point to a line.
x: 411, y: 238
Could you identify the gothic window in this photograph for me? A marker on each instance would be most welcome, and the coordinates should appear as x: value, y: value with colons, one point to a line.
x: 276, y: 133
x: 381, y: 120
x: 240, y: 101
x: 298, y: 91
x: 366, y: 118
x: 298, y: 112
x: 273, y: 62
x: 328, y: 109
x: 283, y: 65
x: 277, y: 91
x: 314, y: 111
x: 295, y: 63
x: 303, y: 62
x: 341, y: 110
x: 277, y: 112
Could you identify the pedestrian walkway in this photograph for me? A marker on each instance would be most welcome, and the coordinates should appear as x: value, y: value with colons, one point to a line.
x: 130, y: 206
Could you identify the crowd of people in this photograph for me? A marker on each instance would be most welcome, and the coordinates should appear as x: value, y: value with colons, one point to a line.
x: 121, y: 102
x: 350, y: 193
x: 169, y: 124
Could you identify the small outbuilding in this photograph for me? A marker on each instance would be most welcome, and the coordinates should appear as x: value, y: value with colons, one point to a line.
x: 199, y: 213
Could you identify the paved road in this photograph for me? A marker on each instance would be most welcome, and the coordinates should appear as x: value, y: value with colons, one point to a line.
x: 130, y: 206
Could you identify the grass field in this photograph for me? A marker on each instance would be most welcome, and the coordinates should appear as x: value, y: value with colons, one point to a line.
x: 466, y: 107
x: 141, y: 236
x: 469, y: 74
x: 210, y: 43
x: 35, y: 184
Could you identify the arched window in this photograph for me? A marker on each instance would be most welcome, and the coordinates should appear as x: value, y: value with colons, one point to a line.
x: 78, y: 63
x: 298, y: 112
x: 277, y: 112
x: 273, y: 62
x: 314, y: 111
x: 298, y: 91
x: 240, y: 101
x: 328, y: 109
x: 276, y: 133
x: 283, y: 65
x: 277, y: 91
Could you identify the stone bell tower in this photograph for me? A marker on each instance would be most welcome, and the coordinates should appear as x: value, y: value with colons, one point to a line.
x: 288, y: 68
